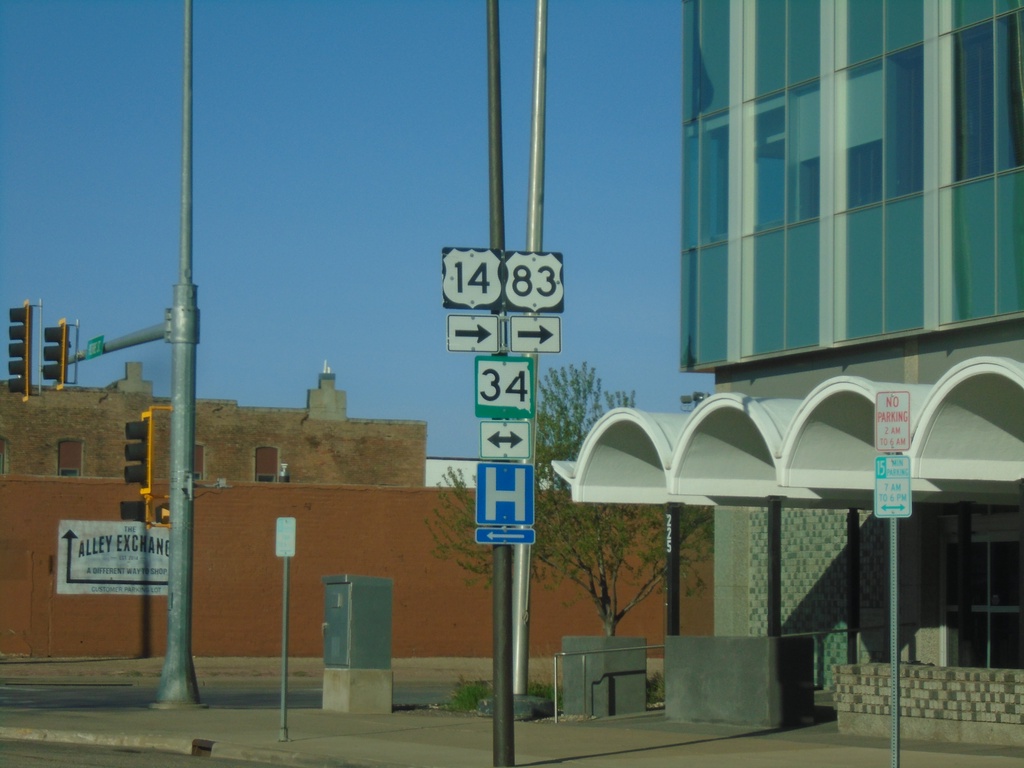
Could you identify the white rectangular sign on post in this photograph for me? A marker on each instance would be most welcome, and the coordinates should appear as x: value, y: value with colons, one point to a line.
x: 892, y: 486
x: 505, y: 440
x: 892, y: 422
x: 473, y: 333
x: 285, y: 537
x: 504, y: 388
x: 535, y: 333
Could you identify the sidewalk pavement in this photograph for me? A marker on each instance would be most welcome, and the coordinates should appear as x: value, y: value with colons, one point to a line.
x: 429, y: 738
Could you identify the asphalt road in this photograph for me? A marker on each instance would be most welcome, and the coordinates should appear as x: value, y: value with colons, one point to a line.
x: 227, y: 694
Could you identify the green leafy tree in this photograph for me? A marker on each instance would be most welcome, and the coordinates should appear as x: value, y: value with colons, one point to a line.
x: 614, y: 553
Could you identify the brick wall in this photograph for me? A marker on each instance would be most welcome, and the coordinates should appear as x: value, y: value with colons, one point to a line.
x: 238, y: 580
x: 943, y: 703
x: 318, y: 445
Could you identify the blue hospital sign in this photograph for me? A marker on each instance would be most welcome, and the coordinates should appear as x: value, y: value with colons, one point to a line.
x: 504, y: 494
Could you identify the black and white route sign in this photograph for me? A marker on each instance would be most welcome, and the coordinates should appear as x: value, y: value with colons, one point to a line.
x: 471, y: 278
x: 504, y: 388
x: 96, y: 557
x: 473, y: 333
x: 476, y: 278
x: 535, y: 333
x: 534, y: 282
x: 505, y: 440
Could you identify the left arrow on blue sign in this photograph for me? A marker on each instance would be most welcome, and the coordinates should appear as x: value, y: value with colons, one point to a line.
x: 506, y: 535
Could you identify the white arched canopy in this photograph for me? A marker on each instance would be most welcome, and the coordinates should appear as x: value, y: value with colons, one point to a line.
x: 966, y: 437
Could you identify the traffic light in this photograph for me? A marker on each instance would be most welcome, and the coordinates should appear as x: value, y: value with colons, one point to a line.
x: 134, y: 510
x: 139, y: 449
x: 55, y: 352
x: 20, y: 350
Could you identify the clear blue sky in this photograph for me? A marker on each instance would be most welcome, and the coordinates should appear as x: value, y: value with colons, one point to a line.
x: 338, y: 147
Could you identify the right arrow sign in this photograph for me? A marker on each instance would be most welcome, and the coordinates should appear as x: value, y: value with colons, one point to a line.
x: 535, y: 333
x: 473, y: 333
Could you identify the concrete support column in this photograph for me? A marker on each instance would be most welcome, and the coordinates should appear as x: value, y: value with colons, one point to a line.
x: 774, y: 566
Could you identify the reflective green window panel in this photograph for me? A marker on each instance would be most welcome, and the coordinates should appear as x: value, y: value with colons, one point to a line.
x: 904, y: 265
x: 904, y: 23
x: 691, y: 184
x: 864, y: 135
x: 804, y: 46
x: 864, y: 30
x: 1009, y: 91
x: 691, y: 61
x: 904, y: 122
x: 969, y: 11
x: 973, y: 248
x: 1010, y: 242
x: 712, y: 312
x: 689, y: 302
x: 706, y: 46
x: 864, y: 273
x: 973, y: 102
x: 770, y: 46
x: 770, y: 161
x: 714, y: 179
x: 769, y: 292
x: 803, y: 162
x: 802, y: 273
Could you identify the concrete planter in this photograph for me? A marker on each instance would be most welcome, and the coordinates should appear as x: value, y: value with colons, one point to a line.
x: 605, y: 681
x: 762, y: 681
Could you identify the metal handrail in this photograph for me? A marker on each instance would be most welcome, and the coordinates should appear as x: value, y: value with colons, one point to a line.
x: 584, y: 654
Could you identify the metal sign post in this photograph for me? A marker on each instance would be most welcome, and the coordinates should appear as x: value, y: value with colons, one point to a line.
x: 893, y: 500
x: 285, y: 545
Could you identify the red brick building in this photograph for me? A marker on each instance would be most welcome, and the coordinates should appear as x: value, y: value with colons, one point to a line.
x: 79, y: 432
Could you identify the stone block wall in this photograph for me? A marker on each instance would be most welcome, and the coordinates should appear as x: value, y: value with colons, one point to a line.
x: 938, y: 703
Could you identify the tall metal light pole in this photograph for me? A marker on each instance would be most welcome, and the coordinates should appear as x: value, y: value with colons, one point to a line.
x: 178, y: 685
x: 534, y: 236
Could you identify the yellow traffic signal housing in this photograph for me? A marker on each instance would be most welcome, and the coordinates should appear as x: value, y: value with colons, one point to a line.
x: 140, y: 450
x: 55, y: 351
x: 20, y: 350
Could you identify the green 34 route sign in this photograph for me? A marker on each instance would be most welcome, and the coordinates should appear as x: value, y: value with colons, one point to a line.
x: 504, y: 388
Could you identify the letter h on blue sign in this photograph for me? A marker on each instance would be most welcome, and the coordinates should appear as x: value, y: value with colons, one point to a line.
x: 504, y: 494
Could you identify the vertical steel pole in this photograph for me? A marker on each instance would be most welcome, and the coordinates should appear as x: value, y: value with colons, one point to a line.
x: 503, y: 734
x: 178, y: 679
x: 894, y: 641
x: 534, y: 237
x: 283, y: 733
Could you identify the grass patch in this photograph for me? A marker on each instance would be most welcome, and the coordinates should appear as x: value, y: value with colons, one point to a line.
x: 469, y: 693
x: 656, y: 689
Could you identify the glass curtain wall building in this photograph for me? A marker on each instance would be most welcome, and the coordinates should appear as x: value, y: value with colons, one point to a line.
x: 853, y: 171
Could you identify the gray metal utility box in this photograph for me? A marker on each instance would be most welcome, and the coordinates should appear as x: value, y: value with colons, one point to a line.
x: 357, y: 644
x: 357, y: 622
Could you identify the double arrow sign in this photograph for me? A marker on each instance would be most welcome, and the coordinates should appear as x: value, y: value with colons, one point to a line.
x: 508, y: 440
x: 482, y: 333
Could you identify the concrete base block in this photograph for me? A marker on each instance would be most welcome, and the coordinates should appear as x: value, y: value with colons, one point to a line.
x: 359, y: 691
x: 761, y: 681
x: 607, y: 680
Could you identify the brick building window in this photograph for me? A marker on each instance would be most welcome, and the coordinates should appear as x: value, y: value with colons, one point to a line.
x: 266, y: 465
x: 69, y: 458
x: 3, y: 456
x: 199, y: 463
